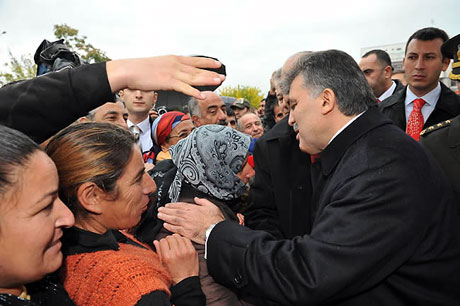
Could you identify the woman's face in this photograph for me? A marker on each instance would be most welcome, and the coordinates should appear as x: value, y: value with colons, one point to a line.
x: 134, y: 187
x: 246, y: 172
x: 31, y: 221
x: 180, y: 131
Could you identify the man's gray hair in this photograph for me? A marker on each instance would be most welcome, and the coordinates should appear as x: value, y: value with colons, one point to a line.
x: 337, y: 71
x: 194, y: 107
x: 277, y: 77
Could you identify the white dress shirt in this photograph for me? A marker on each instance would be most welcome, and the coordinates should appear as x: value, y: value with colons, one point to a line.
x: 388, y: 92
x: 145, y: 137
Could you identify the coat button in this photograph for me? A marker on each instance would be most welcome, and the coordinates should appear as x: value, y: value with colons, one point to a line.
x: 238, y: 278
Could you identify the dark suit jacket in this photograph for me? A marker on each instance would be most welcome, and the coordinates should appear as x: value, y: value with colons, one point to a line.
x: 385, y: 231
x: 42, y: 106
x: 399, y: 87
x: 447, y: 107
x: 281, y: 190
x: 444, y: 144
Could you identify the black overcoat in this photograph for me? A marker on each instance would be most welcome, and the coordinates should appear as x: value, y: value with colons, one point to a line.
x: 385, y: 231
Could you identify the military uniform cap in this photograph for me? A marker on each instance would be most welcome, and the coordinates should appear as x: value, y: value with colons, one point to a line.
x: 451, y: 49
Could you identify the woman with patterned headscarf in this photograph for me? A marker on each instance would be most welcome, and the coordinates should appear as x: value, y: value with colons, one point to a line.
x: 211, y: 163
x: 168, y: 129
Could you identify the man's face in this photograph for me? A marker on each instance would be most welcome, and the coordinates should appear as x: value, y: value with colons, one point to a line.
x: 213, y: 110
x: 114, y: 113
x: 261, y: 109
x: 375, y: 74
x: 250, y: 124
x: 239, y: 112
x: 423, y: 65
x: 138, y: 102
x: 306, y: 114
x: 231, y: 121
x: 282, y: 99
x: 279, y: 113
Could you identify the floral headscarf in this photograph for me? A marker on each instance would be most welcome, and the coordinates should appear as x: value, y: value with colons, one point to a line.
x: 209, y: 160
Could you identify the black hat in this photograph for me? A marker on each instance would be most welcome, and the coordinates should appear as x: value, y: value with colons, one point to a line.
x: 451, y: 49
x: 241, y: 103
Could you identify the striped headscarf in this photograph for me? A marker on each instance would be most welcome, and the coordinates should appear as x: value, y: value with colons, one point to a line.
x: 164, y: 124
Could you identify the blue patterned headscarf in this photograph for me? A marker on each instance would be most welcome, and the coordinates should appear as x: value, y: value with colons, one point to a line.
x: 209, y: 160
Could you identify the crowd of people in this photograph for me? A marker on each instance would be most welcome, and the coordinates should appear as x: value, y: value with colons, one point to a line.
x: 341, y: 188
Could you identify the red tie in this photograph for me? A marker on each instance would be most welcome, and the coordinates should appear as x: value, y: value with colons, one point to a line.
x: 415, y: 122
x: 378, y: 100
x: 314, y: 158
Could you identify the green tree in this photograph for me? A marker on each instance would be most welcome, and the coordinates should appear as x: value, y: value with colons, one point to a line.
x: 253, y: 94
x: 18, y: 69
x: 23, y: 67
x: 78, y: 44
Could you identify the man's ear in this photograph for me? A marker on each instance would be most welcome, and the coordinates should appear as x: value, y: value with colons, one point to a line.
x: 445, y: 63
x: 121, y: 93
x: 89, y: 196
x: 328, y: 101
x: 83, y: 119
x: 196, y: 120
x: 387, y: 72
x: 155, y: 98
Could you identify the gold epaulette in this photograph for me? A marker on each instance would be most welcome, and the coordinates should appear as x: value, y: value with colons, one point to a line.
x: 435, y: 127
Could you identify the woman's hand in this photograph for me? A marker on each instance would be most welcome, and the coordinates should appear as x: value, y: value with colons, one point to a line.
x: 178, y: 73
x: 179, y: 256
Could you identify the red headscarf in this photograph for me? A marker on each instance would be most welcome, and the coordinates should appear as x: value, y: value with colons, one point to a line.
x: 163, y: 125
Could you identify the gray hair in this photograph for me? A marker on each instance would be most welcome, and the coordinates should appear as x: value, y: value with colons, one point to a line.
x: 277, y: 76
x: 193, y: 107
x: 337, y: 71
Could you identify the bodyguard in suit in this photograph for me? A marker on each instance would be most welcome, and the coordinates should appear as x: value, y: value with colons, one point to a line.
x: 425, y: 101
x: 377, y: 68
x: 385, y: 229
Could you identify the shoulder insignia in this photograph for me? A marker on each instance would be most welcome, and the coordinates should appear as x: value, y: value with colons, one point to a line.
x: 435, y: 127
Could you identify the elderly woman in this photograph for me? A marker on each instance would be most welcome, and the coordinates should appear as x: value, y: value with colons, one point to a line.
x: 212, y: 163
x: 102, y: 180
x: 168, y: 129
x: 31, y: 221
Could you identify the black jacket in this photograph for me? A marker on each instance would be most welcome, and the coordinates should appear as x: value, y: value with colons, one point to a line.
x: 385, y: 231
x: 447, y: 107
x: 281, y: 189
x: 443, y: 141
x: 42, y: 106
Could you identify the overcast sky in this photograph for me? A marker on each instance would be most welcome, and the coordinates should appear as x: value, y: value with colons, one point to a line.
x: 252, y: 38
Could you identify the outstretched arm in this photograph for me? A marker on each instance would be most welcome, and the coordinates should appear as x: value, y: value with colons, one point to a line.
x: 41, y: 106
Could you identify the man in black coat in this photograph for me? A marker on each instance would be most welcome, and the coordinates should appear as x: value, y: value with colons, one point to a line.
x: 377, y: 68
x: 423, y: 64
x: 385, y: 229
x: 281, y: 189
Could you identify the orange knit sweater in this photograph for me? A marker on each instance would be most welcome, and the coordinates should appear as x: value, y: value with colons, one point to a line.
x: 114, y: 277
